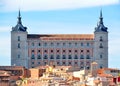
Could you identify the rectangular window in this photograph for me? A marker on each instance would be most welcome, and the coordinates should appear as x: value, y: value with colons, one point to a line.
x: 18, y: 56
x: 18, y: 45
x: 32, y: 44
x: 18, y: 38
x: 38, y: 62
x: 88, y: 44
x: 39, y: 44
x: 81, y: 44
x: 45, y: 44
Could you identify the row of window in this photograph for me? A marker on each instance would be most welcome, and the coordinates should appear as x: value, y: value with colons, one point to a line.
x: 58, y: 44
x: 64, y: 63
x: 63, y: 57
x: 62, y: 51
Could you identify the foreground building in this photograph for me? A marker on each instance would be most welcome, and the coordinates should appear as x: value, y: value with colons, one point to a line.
x: 79, y: 50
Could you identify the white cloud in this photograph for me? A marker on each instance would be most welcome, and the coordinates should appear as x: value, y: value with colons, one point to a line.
x: 30, y: 5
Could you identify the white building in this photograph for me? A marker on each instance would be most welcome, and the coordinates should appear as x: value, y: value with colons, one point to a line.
x: 31, y: 50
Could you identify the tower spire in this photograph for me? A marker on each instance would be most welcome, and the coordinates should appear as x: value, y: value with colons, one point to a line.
x: 101, y: 18
x: 19, y: 18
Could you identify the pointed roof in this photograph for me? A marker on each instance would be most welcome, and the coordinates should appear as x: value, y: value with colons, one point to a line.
x: 101, y: 18
x: 100, y: 26
x: 19, y: 26
x: 19, y: 18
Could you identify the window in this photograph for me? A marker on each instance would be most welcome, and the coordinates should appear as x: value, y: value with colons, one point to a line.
x: 76, y: 57
x: 45, y: 51
x: 45, y: 63
x: 69, y: 51
x: 39, y: 51
x: 32, y: 44
x: 82, y: 63
x: 58, y: 63
x: 51, y: 57
x: 63, y: 44
x: 45, y: 57
x: 58, y: 57
x: 88, y: 44
x: 81, y: 44
x: 51, y: 51
x: 101, y: 67
x: 18, y: 38
x: 64, y: 57
x: 75, y: 51
x: 32, y: 51
x: 76, y: 63
x: 88, y: 67
x: 81, y: 67
x: 101, y: 56
x: 81, y: 57
x: 69, y: 57
x: 63, y: 51
x: 58, y: 44
x: 69, y: 63
x: 38, y: 62
x: 45, y: 44
x: 81, y: 50
x: 18, y: 45
x: 88, y: 51
x: 39, y: 44
x: 18, y: 55
x: 39, y: 57
x: 75, y: 44
x: 69, y: 44
x: 63, y: 63
x: 33, y: 57
x: 101, y: 46
x: 88, y: 57
x: 52, y: 44
x: 101, y: 39
x: 58, y: 51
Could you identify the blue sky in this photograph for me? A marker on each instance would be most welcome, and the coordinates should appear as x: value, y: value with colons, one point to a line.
x: 60, y: 16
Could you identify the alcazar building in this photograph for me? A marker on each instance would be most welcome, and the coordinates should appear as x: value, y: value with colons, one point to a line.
x: 31, y: 50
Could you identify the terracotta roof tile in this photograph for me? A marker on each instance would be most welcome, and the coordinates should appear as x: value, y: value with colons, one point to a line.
x: 61, y: 36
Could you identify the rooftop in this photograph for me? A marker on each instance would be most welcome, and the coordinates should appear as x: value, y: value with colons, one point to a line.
x: 61, y: 36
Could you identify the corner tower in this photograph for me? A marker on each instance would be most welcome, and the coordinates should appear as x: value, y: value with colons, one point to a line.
x: 101, y: 44
x: 19, y: 50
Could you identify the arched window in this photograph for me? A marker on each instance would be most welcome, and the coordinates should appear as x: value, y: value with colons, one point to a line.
x: 101, y: 39
x: 45, y: 57
x: 64, y: 57
x: 58, y: 57
x: 69, y: 57
x: 39, y: 56
x: 88, y: 57
x: 101, y: 46
x: 76, y: 57
x: 52, y: 57
x: 81, y: 57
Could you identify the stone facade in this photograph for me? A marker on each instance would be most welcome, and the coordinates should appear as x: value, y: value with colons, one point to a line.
x: 77, y: 50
